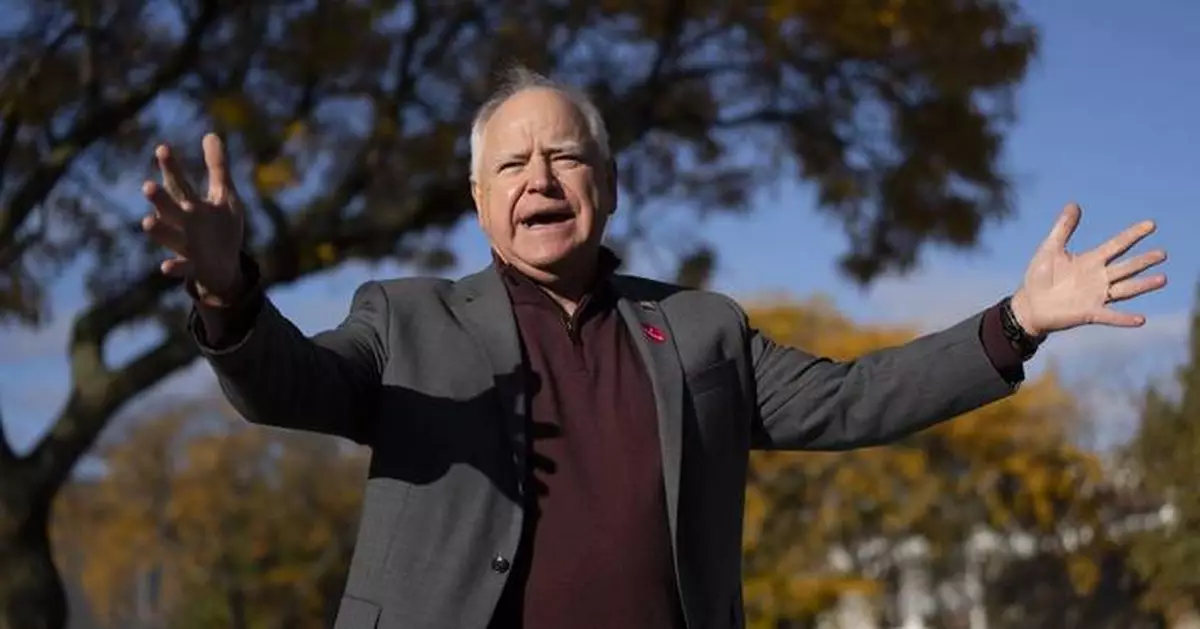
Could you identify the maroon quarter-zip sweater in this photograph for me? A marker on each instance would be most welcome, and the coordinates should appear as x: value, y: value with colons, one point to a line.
x: 596, y: 552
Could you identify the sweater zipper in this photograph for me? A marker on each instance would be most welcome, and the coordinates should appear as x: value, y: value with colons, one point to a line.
x: 572, y: 322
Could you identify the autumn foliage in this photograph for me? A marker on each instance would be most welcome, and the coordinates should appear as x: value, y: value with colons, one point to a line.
x: 347, y: 123
x: 201, y: 520
x: 1010, y: 467
x: 1164, y: 458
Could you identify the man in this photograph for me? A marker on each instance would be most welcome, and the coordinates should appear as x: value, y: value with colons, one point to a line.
x: 556, y: 445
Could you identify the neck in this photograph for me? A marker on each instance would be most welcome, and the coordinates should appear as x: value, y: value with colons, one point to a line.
x: 568, y: 304
x: 567, y: 289
x: 567, y: 286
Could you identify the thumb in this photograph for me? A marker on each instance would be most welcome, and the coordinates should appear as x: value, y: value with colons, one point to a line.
x: 1064, y: 228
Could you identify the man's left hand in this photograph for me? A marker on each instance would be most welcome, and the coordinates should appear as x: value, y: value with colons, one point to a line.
x: 1064, y: 290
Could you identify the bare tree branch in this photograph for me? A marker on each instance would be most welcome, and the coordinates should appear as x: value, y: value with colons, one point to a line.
x: 7, y: 456
x: 32, y: 73
x: 8, y: 138
x: 95, y: 398
x: 22, y: 244
x: 89, y: 78
x: 99, y: 122
x: 405, y: 67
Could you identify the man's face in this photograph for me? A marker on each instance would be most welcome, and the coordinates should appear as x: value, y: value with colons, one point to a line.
x: 543, y: 192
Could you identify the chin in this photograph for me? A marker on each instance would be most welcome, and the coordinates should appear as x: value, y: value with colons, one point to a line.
x: 549, y: 256
x: 546, y: 264
x: 551, y: 267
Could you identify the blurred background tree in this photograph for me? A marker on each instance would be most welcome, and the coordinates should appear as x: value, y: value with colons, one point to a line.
x: 824, y: 527
x: 201, y: 520
x: 347, y: 123
x: 1164, y: 459
x: 1040, y: 592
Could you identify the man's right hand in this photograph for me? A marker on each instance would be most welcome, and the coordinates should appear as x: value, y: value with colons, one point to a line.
x: 205, y: 234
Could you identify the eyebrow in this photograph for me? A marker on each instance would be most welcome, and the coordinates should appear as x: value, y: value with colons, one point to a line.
x: 556, y: 149
x: 569, y: 147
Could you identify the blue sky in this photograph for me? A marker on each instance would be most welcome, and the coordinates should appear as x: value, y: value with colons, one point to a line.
x: 1107, y: 118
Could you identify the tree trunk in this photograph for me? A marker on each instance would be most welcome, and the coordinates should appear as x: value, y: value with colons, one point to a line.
x: 237, y: 608
x: 31, y: 591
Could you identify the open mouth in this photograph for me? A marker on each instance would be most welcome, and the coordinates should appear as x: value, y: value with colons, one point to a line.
x: 546, y: 218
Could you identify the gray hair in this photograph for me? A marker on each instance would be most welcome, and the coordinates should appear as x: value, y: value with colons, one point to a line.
x: 519, y: 79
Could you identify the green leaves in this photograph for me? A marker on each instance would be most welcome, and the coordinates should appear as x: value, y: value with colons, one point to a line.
x: 1163, y: 457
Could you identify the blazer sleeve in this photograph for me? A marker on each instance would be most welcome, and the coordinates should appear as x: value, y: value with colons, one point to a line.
x: 807, y: 402
x: 329, y: 383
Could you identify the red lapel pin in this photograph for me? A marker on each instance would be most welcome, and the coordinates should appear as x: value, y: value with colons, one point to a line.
x: 653, y: 333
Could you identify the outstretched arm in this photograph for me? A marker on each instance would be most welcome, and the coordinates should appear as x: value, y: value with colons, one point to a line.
x: 271, y: 372
x: 812, y: 403
x: 274, y: 375
x: 808, y: 402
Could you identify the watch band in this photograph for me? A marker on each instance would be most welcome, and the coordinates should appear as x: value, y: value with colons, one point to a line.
x: 1025, y: 343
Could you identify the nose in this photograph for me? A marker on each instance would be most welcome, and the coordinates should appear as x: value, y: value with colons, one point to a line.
x: 541, y: 176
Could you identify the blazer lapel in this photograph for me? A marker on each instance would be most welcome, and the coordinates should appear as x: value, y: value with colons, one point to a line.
x: 482, y: 304
x: 656, y: 344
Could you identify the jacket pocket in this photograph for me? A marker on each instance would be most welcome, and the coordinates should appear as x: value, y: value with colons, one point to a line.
x: 716, y: 403
x: 355, y: 613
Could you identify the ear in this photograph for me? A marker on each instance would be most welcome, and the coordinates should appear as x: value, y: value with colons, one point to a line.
x: 477, y: 197
x: 610, y: 185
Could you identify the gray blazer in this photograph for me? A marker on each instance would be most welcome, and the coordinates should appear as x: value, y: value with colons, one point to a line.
x: 428, y: 373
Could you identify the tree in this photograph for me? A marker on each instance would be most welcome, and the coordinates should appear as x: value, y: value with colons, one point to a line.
x: 1039, y: 592
x: 1162, y: 459
x: 233, y: 526
x: 347, y: 120
x: 1008, y: 468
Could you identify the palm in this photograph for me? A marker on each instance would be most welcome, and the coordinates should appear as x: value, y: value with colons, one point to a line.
x: 214, y: 232
x: 1064, y: 290
x: 204, y: 233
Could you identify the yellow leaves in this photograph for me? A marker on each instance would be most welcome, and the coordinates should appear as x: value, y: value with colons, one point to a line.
x: 1083, y: 572
x: 815, y: 326
x: 779, y: 11
x: 889, y: 15
x: 853, y: 27
x: 213, y: 503
x: 886, y: 18
x: 275, y: 175
x: 234, y: 113
x: 287, y: 575
x: 912, y: 464
x: 773, y: 599
x: 1008, y: 466
x: 230, y: 111
x: 326, y: 253
x: 756, y: 513
x: 829, y: 588
x: 295, y: 130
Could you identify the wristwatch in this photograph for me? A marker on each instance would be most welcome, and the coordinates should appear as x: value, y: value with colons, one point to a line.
x: 1025, y: 343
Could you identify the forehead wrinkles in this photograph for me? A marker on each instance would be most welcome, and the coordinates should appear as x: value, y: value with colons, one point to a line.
x: 541, y: 116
